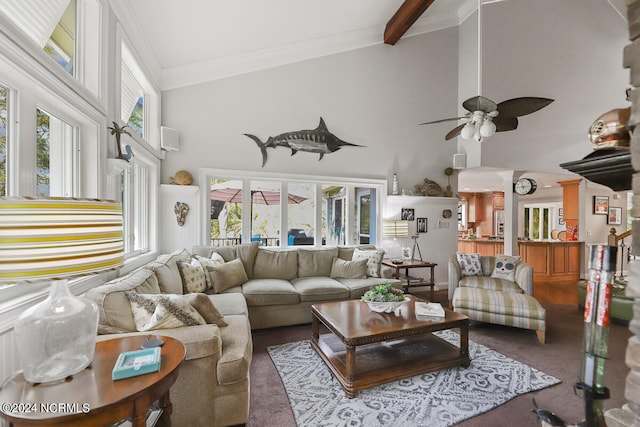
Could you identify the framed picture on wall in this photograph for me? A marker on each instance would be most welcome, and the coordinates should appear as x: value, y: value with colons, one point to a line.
x: 600, y: 205
x: 615, y: 216
x: 421, y: 225
x: 407, y: 214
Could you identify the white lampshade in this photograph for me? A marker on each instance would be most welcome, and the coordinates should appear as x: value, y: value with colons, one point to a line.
x: 57, y: 238
x: 468, y: 130
x: 392, y: 228
x: 488, y: 128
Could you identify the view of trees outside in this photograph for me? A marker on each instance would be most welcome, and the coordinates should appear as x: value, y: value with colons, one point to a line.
x: 136, y: 120
x: 4, y: 95
x: 227, y: 210
x: 42, y: 150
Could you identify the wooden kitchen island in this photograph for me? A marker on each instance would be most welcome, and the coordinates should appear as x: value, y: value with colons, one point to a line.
x: 556, y: 265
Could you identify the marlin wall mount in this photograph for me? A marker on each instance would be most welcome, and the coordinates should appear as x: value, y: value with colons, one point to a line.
x: 318, y: 140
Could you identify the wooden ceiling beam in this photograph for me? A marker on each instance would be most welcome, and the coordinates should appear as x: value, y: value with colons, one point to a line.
x: 404, y: 18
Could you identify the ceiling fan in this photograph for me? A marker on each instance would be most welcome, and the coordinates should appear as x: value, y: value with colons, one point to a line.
x: 485, y: 117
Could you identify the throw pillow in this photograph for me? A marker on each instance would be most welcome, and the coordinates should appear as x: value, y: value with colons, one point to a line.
x: 343, y: 269
x: 505, y: 267
x: 162, y: 311
x: 373, y: 257
x: 203, y: 304
x: 469, y: 264
x: 227, y: 275
x: 216, y: 259
x: 193, y: 276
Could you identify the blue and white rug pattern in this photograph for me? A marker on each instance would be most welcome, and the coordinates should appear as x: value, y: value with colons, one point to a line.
x: 434, y: 399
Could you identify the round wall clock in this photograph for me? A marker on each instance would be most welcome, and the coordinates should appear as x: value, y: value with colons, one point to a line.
x: 525, y: 186
x: 446, y: 213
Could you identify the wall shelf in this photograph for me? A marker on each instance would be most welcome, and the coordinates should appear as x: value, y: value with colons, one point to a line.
x: 179, y: 189
x: 116, y: 166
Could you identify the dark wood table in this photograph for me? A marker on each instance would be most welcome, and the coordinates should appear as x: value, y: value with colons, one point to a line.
x: 413, y: 281
x: 391, y: 347
x: 91, y: 397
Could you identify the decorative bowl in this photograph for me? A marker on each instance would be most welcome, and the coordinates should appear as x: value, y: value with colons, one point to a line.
x: 386, y: 307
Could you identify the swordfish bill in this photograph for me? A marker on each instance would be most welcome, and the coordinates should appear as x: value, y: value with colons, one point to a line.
x: 318, y: 140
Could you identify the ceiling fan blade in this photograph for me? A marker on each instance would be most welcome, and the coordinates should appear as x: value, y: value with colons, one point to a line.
x: 444, y: 120
x: 517, y: 107
x: 505, y: 123
x: 454, y: 132
x: 479, y: 103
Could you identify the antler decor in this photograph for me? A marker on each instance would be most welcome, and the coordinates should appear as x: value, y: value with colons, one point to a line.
x: 118, y: 130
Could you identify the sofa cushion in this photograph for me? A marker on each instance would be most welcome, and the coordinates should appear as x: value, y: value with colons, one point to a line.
x: 215, y: 259
x: 206, y: 307
x: 193, y: 276
x: 167, y: 272
x: 162, y: 311
x: 469, y: 264
x: 500, y: 307
x: 373, y: 257
x: 233, y: 365
x: 341, y: 268
x: 357, y: 287
x: 315, y: 262
x: 505, y: 267
x: 276, y: 264
x: 246, y: 252
x: 227, y: 275
x: 230, y: 303
x: 113, y: 306
x: 346, y: 252
x: 320, y: 288
x: 270, y: 292
x: 490, y: 283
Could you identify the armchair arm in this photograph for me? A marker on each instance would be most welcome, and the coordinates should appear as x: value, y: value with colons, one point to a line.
x: 524, y: 277
x: 453, y: 276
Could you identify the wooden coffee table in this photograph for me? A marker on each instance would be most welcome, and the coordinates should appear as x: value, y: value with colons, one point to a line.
x: 366, y: 349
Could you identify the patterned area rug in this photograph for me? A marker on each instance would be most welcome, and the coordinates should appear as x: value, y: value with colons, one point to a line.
x: 435, y: 399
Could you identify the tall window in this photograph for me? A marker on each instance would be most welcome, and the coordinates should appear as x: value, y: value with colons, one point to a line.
x: 56, y: 161
x: 334, y: 214
x: 61, y: 45
x: 4, y: 98
x: 226, y: 211
x: 301, y: 211
x: 539, y: 221
x: 136, y: 199
x: 138, y: 99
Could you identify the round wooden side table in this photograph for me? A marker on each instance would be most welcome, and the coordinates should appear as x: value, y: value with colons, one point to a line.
x: 91, y: 397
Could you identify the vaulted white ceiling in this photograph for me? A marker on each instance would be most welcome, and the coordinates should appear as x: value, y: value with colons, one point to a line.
x: 200, y: 40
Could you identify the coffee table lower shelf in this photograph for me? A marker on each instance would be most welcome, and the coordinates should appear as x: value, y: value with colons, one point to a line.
x: 387, y: 361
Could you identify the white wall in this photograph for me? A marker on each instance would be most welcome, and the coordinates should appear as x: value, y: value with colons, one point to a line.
x: 567, y: 50
x: 374, y: 97
x: 438, y: 243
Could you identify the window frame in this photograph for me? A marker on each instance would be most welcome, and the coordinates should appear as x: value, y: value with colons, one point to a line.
x: 380, y: 185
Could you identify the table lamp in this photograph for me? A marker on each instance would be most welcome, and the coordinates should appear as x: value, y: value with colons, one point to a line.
x: 393, y: 229
x: 56, y: 239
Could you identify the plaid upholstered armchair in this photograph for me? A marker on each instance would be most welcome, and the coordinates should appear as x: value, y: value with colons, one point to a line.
x: 495, y: 290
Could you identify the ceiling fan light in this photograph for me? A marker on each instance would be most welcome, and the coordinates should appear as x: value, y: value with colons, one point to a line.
x: 477, y: 136
x: 488, y: 128
x: 468, y: 130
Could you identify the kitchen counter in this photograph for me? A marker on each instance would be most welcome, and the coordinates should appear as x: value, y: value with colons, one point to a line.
x: 556, y: 263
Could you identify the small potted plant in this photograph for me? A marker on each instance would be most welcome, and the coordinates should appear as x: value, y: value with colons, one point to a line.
x: 384, y: 298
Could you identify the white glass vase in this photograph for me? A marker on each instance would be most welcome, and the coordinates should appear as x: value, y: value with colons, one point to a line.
x: 57, y: 337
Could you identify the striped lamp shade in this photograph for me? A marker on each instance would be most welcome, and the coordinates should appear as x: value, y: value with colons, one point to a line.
x: 395, y: 228
x: 58, y: 238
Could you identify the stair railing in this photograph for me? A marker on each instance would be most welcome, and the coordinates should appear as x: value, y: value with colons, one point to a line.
x: 614, y: 239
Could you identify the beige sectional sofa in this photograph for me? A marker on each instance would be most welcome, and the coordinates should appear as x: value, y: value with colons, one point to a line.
x: 271, y: 288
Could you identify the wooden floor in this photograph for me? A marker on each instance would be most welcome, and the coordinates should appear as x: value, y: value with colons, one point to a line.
x: 556, y: 292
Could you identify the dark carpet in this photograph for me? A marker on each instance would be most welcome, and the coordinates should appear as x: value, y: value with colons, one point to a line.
x: 560, y: 357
